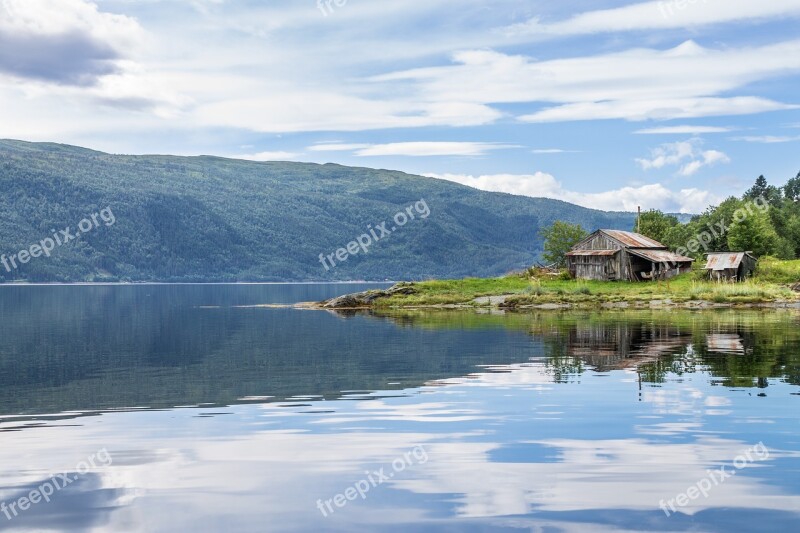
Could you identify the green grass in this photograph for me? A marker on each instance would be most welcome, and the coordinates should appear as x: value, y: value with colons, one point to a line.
x: 459, y: 291
x: 777, y: 271
x: 770, y: 284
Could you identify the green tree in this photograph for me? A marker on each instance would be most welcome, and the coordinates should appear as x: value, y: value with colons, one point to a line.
x: 656, y: 225
x: 783, y: 249
x: 761, y: 188
x: 753, y: 232
x: 792, y: 188
x: 793, y: 233
x: 678, y: 237
x: 712, y: 224
x: 559, y: 239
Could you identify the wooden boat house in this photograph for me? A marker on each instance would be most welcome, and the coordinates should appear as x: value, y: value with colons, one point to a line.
x: 731, y: 266
x: 612, y: 255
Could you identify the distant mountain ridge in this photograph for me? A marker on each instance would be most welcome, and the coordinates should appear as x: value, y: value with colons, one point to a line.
x: 215, y: 219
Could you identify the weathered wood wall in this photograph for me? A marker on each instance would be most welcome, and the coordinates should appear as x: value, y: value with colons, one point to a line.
x: 598, y: 241
x: 601, y: 268
x: 594, y: 267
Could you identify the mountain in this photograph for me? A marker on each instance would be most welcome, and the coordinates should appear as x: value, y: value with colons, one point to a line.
x: 167, y: 218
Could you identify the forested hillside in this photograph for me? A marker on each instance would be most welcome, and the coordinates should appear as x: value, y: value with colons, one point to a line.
x: 216, y: 219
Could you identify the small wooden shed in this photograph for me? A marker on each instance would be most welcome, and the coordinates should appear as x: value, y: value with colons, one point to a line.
x: 613, y: 255
x: 731, y: 266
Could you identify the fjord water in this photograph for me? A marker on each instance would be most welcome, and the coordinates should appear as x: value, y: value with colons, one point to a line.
x: 220, y: 412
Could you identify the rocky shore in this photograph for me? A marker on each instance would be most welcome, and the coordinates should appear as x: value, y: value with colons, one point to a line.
x: 366, y: 299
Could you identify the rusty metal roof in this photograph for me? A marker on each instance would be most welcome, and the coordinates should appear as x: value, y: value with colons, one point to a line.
x: 725, y: 260
x: 588, y: 253
x: 632, y: 240
x: 725, y: 343
x: 661, y: 256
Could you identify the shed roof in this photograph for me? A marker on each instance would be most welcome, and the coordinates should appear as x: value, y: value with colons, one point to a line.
x: 662, y: 256
x: 632, y: 240
x: 725, y: 343
x: 591, y: 253
x: 725, y: 260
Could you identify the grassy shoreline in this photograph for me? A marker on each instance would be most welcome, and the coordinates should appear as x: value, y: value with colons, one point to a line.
x: 770, y: 287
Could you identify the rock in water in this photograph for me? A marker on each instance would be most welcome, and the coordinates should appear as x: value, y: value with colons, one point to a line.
x: 365, y: 299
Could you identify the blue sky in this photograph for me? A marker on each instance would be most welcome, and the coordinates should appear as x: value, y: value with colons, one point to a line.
x: 608, y: 104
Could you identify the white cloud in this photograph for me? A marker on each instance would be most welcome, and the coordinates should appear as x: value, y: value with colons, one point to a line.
x: 409, y: 149
x: 664, y: 109
x: 661, y: 15
x: 64, y: 42
x: 240, y: 80
x: 78, y: 22
x: 766, y: 139
x: 426, y: 149
x: 290, y: 110
x: 688, y: 155
x: 709, y: 157
x: 717, y: 401
x: 335, y: 147
x: 683, y: 130
x: 268, y: 156
x: 553, y: 151
x: 542, y: 185
x: 69, y: 50
x: 637, y: 84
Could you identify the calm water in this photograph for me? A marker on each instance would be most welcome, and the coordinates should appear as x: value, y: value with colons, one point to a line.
x: 189, y: 408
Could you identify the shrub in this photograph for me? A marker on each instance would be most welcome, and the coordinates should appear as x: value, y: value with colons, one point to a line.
x: 534, y: 290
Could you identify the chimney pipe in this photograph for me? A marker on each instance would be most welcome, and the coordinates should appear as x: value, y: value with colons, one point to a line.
x: 639, y: 221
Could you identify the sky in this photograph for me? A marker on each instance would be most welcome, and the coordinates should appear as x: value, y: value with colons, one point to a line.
x: 609, y: 104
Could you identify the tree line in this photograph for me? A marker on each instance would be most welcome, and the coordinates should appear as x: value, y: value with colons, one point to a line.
x: 765, y: 220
